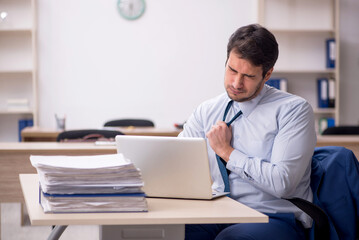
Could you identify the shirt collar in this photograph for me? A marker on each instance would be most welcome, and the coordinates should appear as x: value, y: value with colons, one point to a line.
x: 248, y: 106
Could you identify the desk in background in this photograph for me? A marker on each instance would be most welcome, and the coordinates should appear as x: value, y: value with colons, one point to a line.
x: 348, y: 141
x: 39, y: 134
x: 161, y: 211
x: 14, y: 158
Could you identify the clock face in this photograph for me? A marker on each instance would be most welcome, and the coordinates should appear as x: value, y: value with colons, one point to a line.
x: 131, y: 9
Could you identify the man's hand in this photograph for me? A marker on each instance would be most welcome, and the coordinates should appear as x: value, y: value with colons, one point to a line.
x: 219, y: 138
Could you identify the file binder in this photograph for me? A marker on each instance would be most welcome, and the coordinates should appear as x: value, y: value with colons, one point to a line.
x: 323, y: 91
x: 22, y: 123
x: 87, y: 203
x: 330, y: 122
x: 330, y: 53
x: 283, y: 85
x: 278, y: 83
x: 331, y: 93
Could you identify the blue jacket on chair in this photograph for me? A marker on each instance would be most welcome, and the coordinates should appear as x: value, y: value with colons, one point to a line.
x: 335, y: 185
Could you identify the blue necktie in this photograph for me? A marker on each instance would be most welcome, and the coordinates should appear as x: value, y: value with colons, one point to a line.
x: 221, y: 163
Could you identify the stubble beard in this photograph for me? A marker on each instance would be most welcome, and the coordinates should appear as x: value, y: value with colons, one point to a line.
x: 244, y: 99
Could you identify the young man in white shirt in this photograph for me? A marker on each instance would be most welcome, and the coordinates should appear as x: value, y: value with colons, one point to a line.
x: 264, y: 136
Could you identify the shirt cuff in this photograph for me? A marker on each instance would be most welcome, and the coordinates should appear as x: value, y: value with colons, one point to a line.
x: 237, y: 160
x: 236, y: 164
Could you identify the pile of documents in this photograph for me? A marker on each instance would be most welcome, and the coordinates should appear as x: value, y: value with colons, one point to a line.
x: 100, y: 183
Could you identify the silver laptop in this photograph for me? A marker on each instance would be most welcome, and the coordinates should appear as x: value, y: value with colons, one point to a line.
x: 171, y: 167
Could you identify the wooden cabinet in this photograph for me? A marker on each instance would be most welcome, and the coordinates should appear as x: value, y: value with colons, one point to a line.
x: 18, y: 54
x: 302, y: 28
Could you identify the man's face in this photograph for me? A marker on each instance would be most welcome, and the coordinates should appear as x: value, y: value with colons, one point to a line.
x: 243, y: 81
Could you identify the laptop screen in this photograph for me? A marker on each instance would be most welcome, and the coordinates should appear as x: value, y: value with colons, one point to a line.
x: 171, y: 167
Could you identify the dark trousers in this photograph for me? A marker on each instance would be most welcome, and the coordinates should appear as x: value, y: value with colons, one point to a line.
x: 281, y: 226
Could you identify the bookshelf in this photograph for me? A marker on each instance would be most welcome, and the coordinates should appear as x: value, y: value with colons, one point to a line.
x: 18, y: 67
x: 302, y: 28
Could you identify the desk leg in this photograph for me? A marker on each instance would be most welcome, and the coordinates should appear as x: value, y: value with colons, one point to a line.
x: 56, y: 232
x: 138, y: 232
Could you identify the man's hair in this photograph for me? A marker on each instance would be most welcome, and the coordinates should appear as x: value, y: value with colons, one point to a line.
x: 255, y: 44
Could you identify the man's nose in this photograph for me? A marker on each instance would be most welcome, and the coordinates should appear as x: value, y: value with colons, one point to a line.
x: 238, y: 81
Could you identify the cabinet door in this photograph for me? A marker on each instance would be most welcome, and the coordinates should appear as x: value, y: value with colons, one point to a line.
x: 302, y: 28
x: 17, y: 66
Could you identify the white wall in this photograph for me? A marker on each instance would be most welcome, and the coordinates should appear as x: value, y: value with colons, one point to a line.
x: 95, y: 66
x: 349, y: 62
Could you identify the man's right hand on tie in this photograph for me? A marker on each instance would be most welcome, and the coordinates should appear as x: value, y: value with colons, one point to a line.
x: 220, y: 137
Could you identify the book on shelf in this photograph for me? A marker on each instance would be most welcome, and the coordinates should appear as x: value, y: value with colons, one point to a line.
x: 330, y: 53
x: 278, y: 83
x: 326, y: 92
x: 99, y: 183
x: 23, y: 123
x: 322, y: 89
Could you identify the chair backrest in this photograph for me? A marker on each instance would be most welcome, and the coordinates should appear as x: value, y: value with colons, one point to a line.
x: 342, y: 130
x: 87, y: 135
x: 129, y: 122
x: 335, y: 185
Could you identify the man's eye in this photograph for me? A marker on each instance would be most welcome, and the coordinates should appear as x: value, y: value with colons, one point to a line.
x: 249, y: 76
x: 231, y: 71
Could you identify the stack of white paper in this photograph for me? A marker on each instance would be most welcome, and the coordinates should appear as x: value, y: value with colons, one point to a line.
x: 100, y: 183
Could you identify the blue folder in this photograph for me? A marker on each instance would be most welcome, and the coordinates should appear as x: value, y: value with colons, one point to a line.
x: 95, y: 195
x: 323, y: 92
x: 330, y: 53
x: 24, y: 123
x: 278, y: 83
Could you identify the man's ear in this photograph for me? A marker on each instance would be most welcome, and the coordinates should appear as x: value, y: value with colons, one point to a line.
x: 268, y: 74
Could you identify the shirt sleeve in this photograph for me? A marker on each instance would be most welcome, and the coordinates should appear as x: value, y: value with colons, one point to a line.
x: 290, y: 158
x: 193, y: 127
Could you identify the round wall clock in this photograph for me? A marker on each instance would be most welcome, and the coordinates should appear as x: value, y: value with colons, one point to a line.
x: 131, y: 9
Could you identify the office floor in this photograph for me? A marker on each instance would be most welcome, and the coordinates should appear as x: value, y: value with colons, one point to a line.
x: 11, y: 228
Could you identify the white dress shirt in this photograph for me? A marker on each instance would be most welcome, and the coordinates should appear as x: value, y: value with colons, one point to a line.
x: 274, y: 140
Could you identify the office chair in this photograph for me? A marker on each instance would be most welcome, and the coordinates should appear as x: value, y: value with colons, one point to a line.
x: 321, y: 228
x: 335, y: 186
x: 342, y: 130
x: 129, y: 122
x: 87, y: 135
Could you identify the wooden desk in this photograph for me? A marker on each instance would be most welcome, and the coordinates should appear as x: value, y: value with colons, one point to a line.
x: 39, y: 134
x: 161, y: 211
x: 14, y: 158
